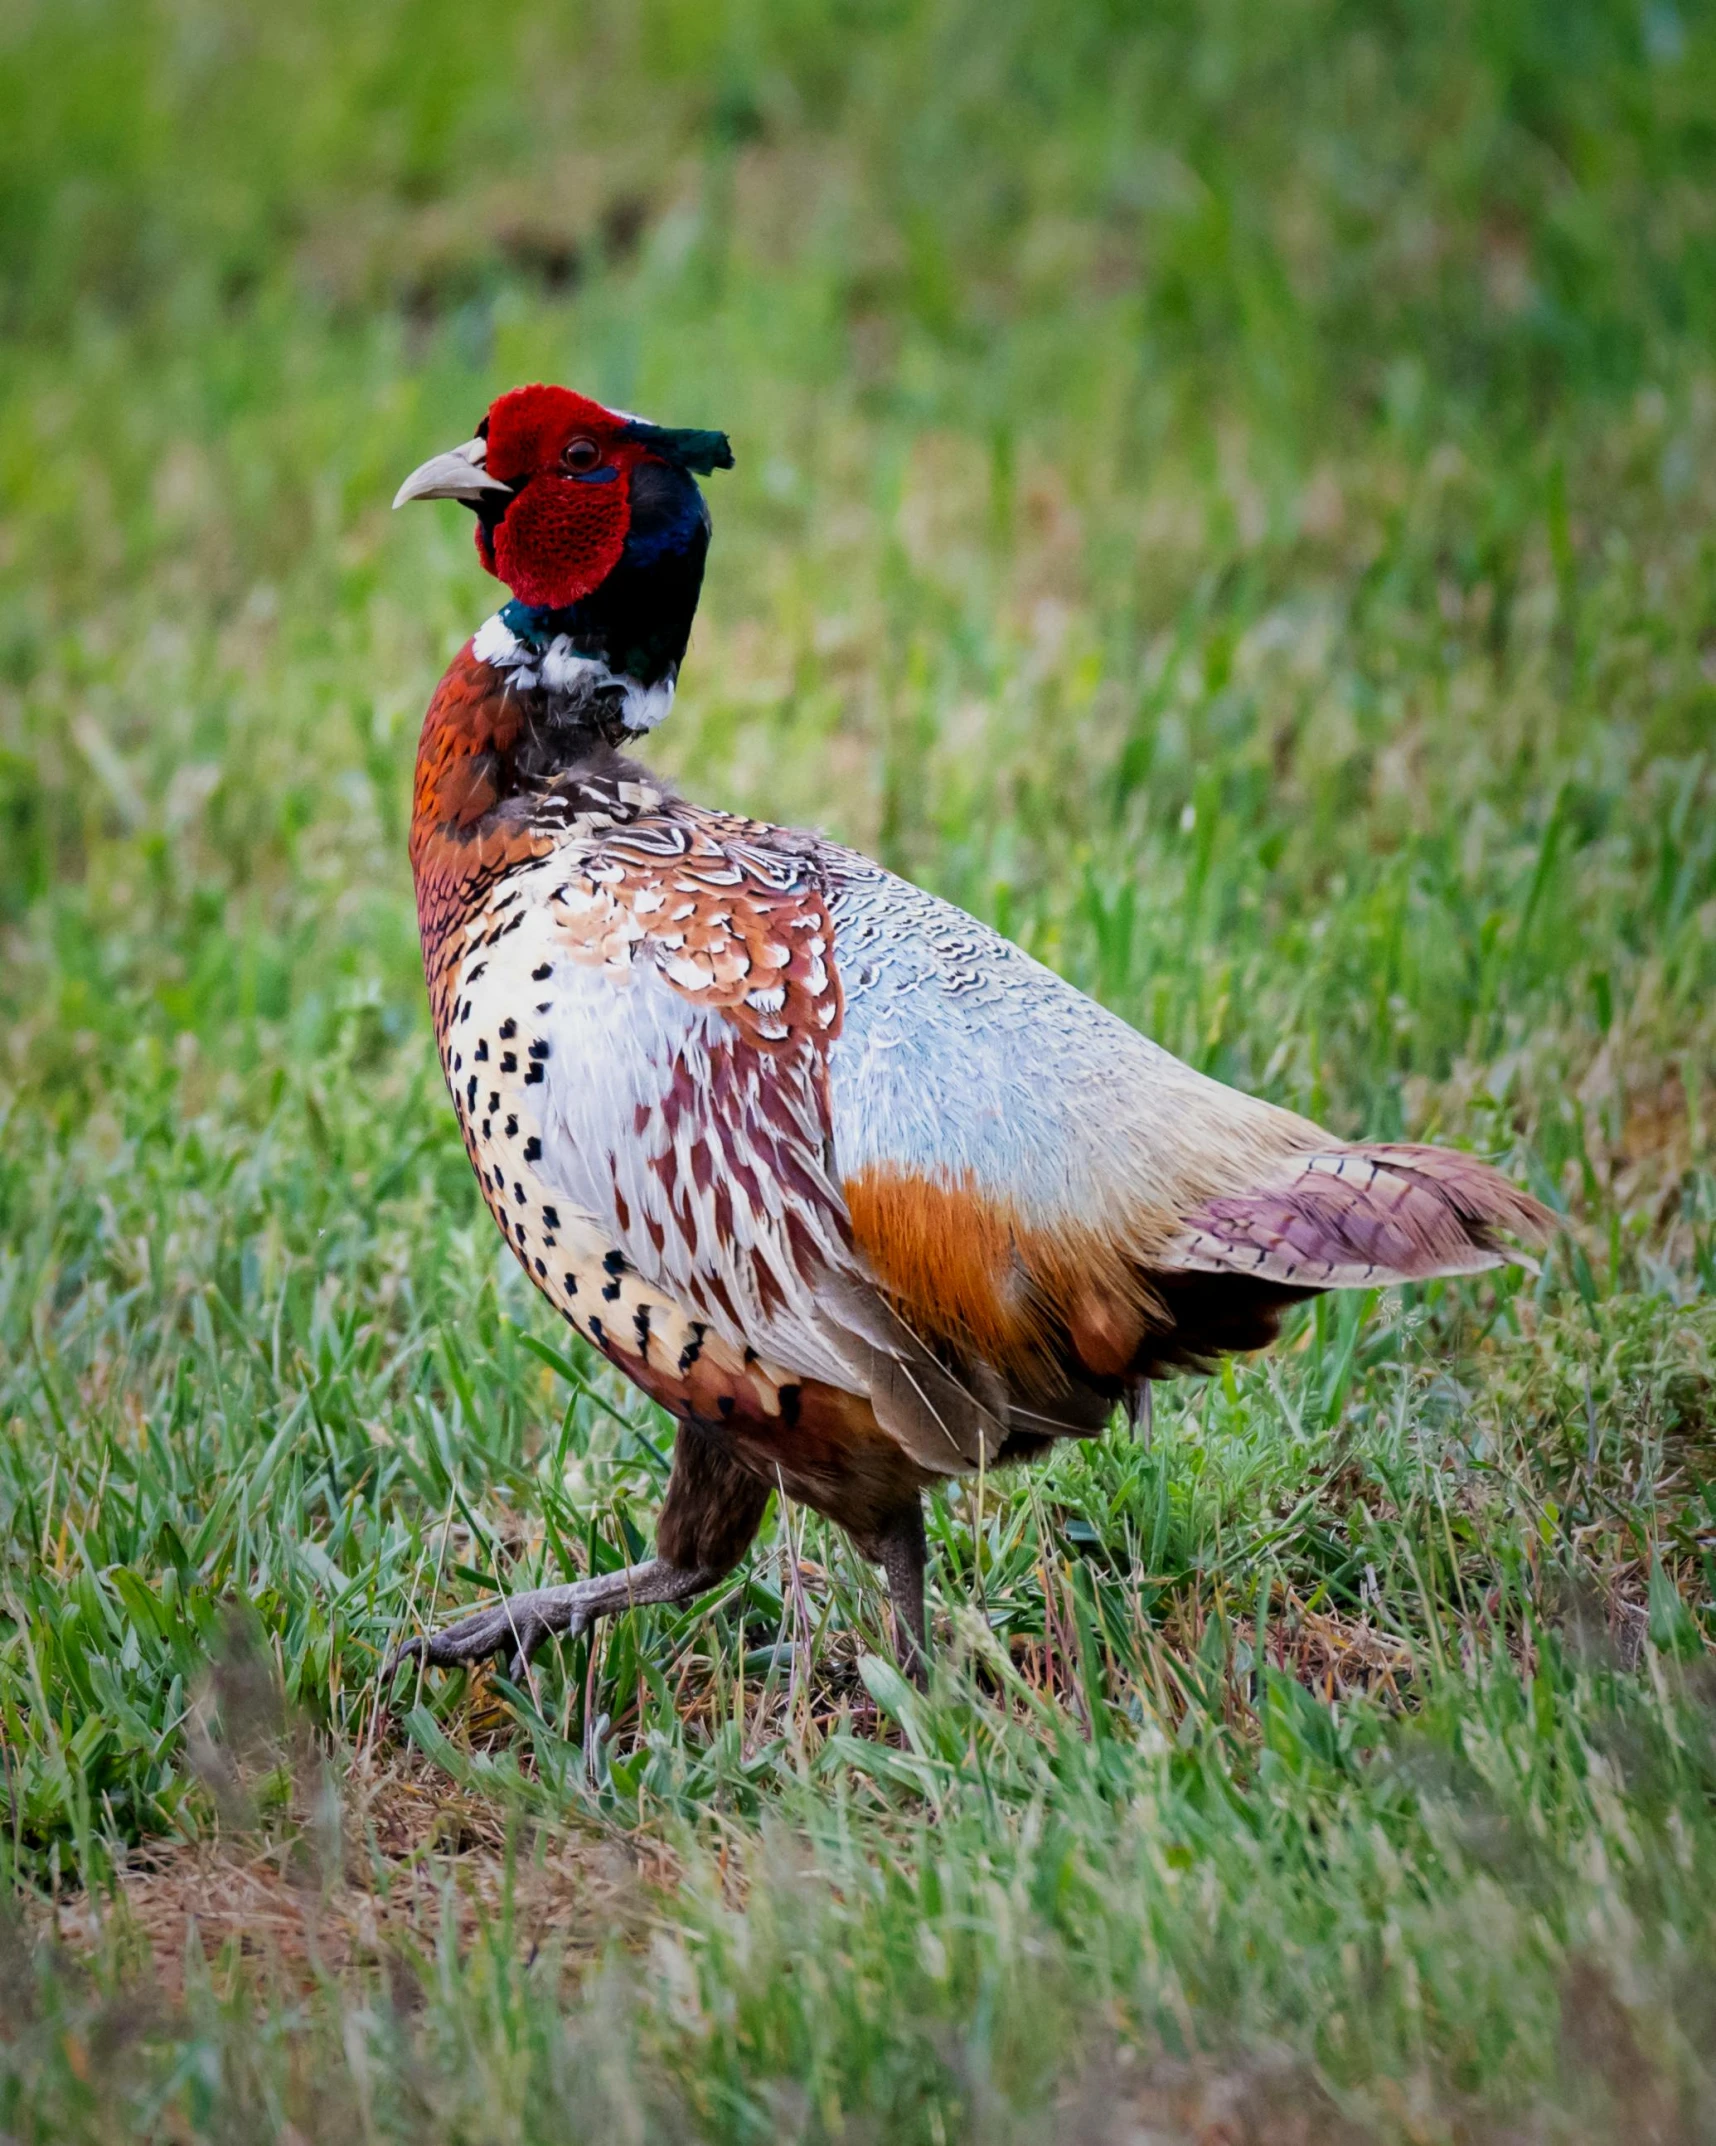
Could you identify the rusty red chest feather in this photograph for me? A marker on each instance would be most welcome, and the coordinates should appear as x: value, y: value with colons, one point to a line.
x: 729, y: 912
x: 462, y: 838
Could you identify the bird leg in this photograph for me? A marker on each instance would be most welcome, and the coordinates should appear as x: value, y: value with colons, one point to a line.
x: 902, y: 1553
x: 520, y: 1623
x: 707, y: 1520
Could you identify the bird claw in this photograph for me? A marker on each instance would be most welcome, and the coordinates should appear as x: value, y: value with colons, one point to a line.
x: 523, y: 1622
x: 518, y: 1622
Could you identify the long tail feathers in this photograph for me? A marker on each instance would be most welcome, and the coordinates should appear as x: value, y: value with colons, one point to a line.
x: 1326, y: 1218
x: 1354, y: 1217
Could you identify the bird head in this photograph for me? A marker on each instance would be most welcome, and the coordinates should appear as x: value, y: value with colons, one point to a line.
x: 561, y: 486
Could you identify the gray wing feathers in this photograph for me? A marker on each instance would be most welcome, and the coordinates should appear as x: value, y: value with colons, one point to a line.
x: 965, y: 1060
x: 961, y: 1058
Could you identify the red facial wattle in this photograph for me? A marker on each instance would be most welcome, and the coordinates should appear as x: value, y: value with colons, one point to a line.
x: 560, y: 538
x: 563, y: 532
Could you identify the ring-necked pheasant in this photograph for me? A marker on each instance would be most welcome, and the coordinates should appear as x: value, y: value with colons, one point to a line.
x: 857, y: 1191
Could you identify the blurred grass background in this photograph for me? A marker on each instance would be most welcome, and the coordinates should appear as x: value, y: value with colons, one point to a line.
x: 1225, y: 493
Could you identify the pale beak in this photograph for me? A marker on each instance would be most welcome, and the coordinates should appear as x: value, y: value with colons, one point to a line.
x: 458, y: 475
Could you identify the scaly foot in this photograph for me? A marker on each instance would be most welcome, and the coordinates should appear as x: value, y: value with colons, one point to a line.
x: 520, y: 1623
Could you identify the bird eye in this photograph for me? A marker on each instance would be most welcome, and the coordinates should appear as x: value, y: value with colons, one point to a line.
x: 581, y: 455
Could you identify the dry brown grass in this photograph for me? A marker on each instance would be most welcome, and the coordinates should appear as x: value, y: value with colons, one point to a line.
x: 414, y: 1861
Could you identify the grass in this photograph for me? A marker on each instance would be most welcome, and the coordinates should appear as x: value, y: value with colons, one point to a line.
x: 1224, y: 493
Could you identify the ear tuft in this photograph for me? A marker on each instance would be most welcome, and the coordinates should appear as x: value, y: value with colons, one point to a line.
x: 700, y: 452
x: 705, y: 452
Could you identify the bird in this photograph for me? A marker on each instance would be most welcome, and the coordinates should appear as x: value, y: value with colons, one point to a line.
x: 860, y: 1194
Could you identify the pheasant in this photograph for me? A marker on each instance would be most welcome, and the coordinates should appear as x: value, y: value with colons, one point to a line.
x: 859, y: 1193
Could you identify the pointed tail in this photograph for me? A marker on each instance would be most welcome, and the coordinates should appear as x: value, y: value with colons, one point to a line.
x: 1362, y: 1217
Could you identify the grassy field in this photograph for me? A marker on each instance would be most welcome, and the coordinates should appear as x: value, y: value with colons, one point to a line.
x: 1225, y: 493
